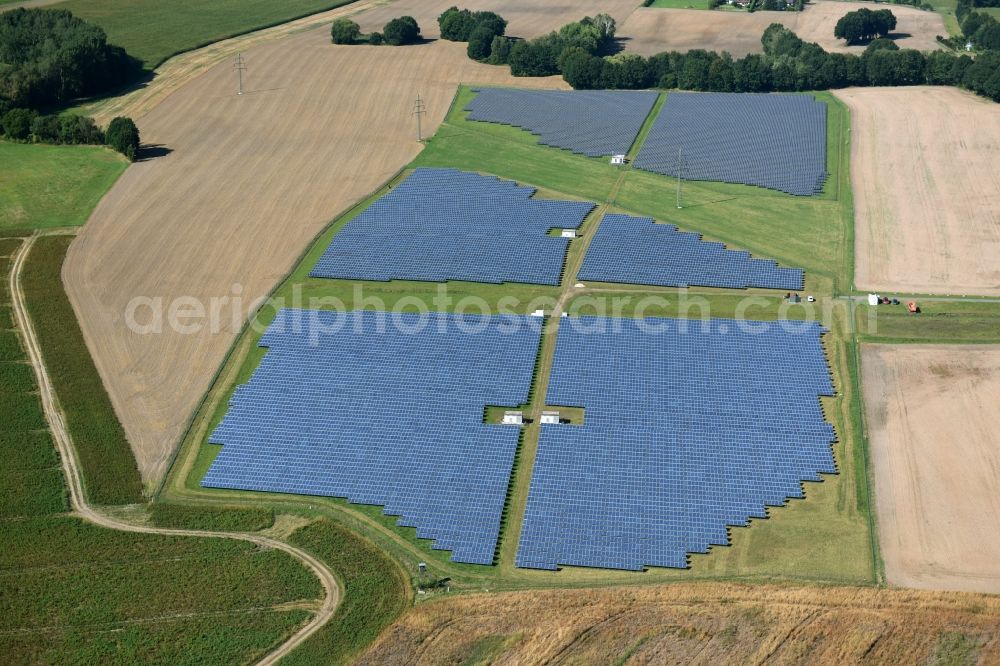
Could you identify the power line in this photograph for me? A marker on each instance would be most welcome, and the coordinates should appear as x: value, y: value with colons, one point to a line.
x: 419, y: 110
x: 239, y: 66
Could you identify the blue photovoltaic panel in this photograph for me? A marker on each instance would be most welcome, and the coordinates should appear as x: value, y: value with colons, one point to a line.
x: 637, y: 250
x: 384, y: 411
x: 769, y: 140
x: 444, y: 224
x: 589, y: 122
x: 689, y: 427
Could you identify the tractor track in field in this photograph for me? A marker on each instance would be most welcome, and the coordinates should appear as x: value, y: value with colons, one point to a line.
x: 74, y: 480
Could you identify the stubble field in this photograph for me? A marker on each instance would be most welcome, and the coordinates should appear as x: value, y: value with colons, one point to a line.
x: 927, y: 212
x: 932, y: 414
x: 651, y: 30
x: 697, y: 623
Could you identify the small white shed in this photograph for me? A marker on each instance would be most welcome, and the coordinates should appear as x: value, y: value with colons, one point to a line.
x: 550, y: 417
x: 513, y: 418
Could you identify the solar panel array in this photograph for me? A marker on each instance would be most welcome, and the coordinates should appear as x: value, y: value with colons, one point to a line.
x: 686, y: 431
x: 769, y: 140
x: 637, y: 250
x: 445, y: 224
x: 589, y: 122
x: 384, y: 412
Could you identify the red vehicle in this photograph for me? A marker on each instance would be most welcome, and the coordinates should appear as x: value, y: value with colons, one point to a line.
x: 912, y: 307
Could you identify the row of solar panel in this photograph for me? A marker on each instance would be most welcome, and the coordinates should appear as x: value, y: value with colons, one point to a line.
x: 591, y: 122
x: 637, y: 250
x: 769, y: 140
x: 443, y: 224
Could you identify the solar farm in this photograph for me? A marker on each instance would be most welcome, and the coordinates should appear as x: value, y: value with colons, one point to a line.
x: 391, y: 331
x: 589, y: 122
x: 773, y: 141
x: 687, y: 432
x: 672, y: 433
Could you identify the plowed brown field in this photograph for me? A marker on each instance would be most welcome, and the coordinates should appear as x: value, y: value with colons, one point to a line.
x: 696, y: 624
x: 925, y: 165
x: 932, y: 419
x: 651, y: 30
x: 248, y: 181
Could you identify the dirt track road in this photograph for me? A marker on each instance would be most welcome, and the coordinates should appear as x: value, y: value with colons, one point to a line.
x: 78, y: 501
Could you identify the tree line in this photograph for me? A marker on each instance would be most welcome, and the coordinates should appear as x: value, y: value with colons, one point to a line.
x: 397, y: 32
x: 580, y: 52
x: 49, y: 57
x: 485, y: 33
x: 787, y: 64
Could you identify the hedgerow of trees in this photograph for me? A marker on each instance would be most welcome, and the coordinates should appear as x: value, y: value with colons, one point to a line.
x: 48, y: 57
x: 397, y: 32
x: 484, y: 31
x: 787, y: 64
x: 864, y: 25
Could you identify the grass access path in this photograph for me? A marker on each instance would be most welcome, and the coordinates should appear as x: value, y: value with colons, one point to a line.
x: 826, y: 538
x: 153, y: 30
x: 53, y: 186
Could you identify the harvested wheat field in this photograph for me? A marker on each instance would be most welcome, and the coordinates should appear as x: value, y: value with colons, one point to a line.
x: 696, y: 623
x: 925, y: 166
x: 650, y: 30
x: 932, y: 418
x: 245, y: 183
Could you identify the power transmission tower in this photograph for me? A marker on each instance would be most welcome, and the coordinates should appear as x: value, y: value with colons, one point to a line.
x: 680, y: 175
x: 419, y: 110
x: 239, y: 66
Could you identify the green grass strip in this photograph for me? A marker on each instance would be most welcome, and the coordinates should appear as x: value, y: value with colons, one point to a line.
x: 153, y: 30
x: 109, y: 471
x: 374, y: 593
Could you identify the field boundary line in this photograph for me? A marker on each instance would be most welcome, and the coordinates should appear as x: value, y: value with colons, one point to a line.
x: 74, y: 483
